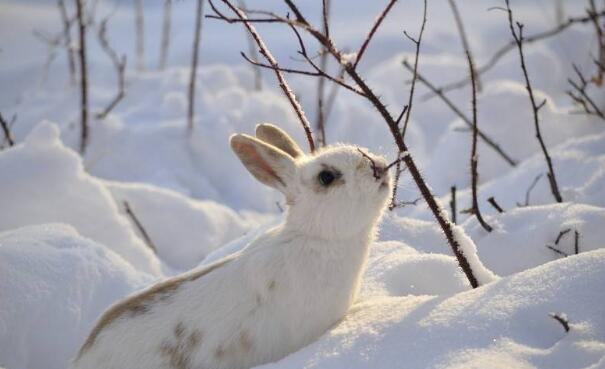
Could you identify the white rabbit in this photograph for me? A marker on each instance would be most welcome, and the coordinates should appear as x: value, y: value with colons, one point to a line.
x: 281, y: 292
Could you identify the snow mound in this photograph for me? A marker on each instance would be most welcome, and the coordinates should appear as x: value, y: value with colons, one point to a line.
x: 54, y: 284
x: 504, y: 324
x: 518, y: 243
x: 183, y: 230
x: 43, y: 181
x: 396, y: 269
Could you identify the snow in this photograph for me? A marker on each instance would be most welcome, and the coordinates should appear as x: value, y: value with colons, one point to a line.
x: 54, y: 284
x: 68, y: 249
x: 47, y: 183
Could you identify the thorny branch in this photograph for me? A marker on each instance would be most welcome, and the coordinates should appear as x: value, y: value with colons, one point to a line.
x: 327, y: 43
x: 488, y: 140
x: 271, y: 60
x: 518, y: 38
x: 118, y: 63
x: 258, y: 81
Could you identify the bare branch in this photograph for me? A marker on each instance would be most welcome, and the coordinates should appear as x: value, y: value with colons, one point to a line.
x: 561, y: 234
x: 166, y: 27
x: 518, y: 38
x: 370, y: 95
x: 576, y: 244
x: 139, y: 227
x: 83, y: 77
x: 557, y: 251
x: 271, y: 60
x: 562, y: 319
x: 119, y: 65
x: 489, y: 141
x: 373, y: 30
x: 6, y: 130
x: 453, y: 204
x: 463, y: 38
x: 530, y: 189
x: 67, y: 22
x: 414, y: 72
x: 505, y: 49
x: 474, y: 154
x: 495, y: 204
x: 323, y: 64
x: 140, y: 34
x: 194, y: 61
x: 580, y: 95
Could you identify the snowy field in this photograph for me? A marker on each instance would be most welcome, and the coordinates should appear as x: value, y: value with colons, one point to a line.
x: 68, y: 248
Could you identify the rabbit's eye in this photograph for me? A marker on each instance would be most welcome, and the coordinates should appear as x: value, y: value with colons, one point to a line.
x: 326, y: 177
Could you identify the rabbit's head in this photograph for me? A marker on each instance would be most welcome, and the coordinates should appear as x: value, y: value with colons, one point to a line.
x: 335, y: 193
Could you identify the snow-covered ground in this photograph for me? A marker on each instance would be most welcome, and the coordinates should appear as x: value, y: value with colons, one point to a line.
x: 68, y: 249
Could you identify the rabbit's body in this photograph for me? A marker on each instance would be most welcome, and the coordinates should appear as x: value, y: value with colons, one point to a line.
x: 278, y: 294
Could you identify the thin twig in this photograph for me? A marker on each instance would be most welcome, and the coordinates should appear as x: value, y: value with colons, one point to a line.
x: 561, y: 234
x: 67, y: 40
x: 453, y: 204
x: 534, y: 105
x: 576, y: 243
x: 372, y: 97
x: 271, y: 60
x: 489, y: 141
x: 119, y: 65
x: 83, y: 77
x: 258, y: 81
x: 139, y: 227
x: 373, y: 30
x: 194, y: 62
x: 580, y: 95
x: 140, y: 34
x: 323, y: 63
x: 562, y: 319
x: 463, y: 38
x: 474, y: 154
x: 533, y: 184
x: 564, y: 254
x: 166, y: 27
x: 408, y: 107
x: 505, y: 49
x: 6, y: 130
x: 492, y: 201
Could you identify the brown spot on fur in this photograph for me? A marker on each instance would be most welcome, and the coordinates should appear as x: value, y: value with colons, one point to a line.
x: 178, y: 354
x: 245, y: 341
x: 142, y: 302
x: 271, y: 285
x: 219, y: 352
x: 179, y: 330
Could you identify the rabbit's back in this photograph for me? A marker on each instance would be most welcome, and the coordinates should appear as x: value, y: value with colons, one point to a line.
x: 275, y: 297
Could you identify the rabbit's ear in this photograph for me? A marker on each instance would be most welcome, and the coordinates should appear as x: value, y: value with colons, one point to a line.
x: 277, y: 137
x: 267, y: 163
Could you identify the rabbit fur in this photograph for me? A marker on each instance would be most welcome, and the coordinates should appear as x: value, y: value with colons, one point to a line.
x: 281, y: 292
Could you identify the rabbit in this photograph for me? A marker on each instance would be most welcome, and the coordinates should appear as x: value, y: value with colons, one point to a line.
x: 277, y: 295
